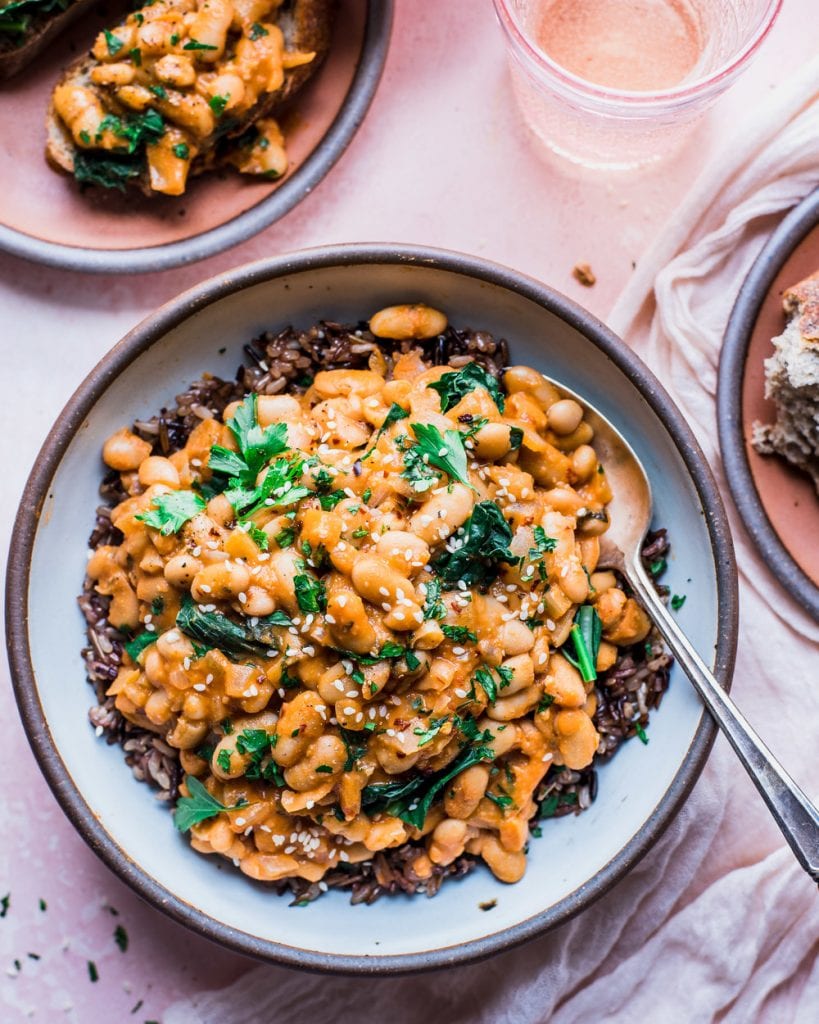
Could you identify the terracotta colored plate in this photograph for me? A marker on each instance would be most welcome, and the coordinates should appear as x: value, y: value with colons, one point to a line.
x: 45, y: 217
x: 778, y: 503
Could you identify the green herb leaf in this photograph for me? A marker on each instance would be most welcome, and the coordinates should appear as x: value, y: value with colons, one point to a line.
x: 311, y: 594
x: 199, y: 806
x: 459, y: 634
x: 171, y: 511
x: 136, y: 130
x: 285, y: 537
x: 329, y: 501
x: 121, y: 938
x: 216, y: 103
x: 107, y: 171
x: 677, y: 601
x: 140, y: 642
x: 257, y: 31
x: 434, y: 607
x: 355, y: 749
x: 136, y: 56
x: 489, y: 683
x: 543, y: 544
x: 182, y: 151
x: 259, y: 537
x: 114, y: 45
x: 217, y: 630
x: 445, y: 451
x: 428, y: 735
x: 453, y: 386
x: 257, y: 444
x: 411, y: 800
x: 641, y: 733
x: 585, y: 635
x: 93, y: 973
x: 194, y: 44
x: 158, y: 91
x: 394, y: 414
x: 515, y: 438
x: 484, y: 541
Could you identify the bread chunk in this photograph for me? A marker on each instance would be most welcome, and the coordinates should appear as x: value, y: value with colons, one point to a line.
x: 792, y: 383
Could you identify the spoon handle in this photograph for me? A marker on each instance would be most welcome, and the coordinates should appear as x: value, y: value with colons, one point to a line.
x: 796, y: 816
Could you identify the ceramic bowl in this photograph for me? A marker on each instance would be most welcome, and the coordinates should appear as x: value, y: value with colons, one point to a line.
x: 577, y: 858
x: 45, y: 217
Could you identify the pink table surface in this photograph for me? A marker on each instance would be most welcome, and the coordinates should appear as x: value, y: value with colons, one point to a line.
x: 443, y: 160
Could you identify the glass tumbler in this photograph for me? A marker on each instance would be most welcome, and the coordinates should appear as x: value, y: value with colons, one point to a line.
x: 607, y: 126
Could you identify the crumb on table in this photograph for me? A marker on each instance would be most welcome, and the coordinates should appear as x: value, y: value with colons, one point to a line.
x: 583, y: 273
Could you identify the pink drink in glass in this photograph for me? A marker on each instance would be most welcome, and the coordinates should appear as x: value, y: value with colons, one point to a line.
x: 616, y: 83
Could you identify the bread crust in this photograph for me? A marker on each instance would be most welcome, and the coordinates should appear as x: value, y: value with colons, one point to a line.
x: 42, y: 32
x: 802, y: 300
x: 306, y: 26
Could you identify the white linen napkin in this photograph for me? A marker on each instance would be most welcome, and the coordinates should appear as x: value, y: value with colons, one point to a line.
x: 718, y: 921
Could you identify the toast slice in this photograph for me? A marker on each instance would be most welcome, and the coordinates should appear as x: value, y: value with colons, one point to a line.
x: 28, y: 26
x: 792, y: 383
x: 153, y: 103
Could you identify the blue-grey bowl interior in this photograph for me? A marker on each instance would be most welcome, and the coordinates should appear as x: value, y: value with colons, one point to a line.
x: 577, y: 858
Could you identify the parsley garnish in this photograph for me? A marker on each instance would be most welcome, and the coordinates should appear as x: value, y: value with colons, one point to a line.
x: 199, y: 806
x: 181, y: 150
x: 93, y: 973
x: 112, y: 42
x: 5, y: 903
x: 217, y: 103
x: 453, y: 386
x: 445, y: 451
x: 257, y: 445
x: 136, y: 130
x: 158, y: 91
x: 515, y: 438
x: 428, y: 735
x: 543, y: 544
x: 434, y: 607
x: 329, y: 501
x: 223, y: 760
x: 171, y: 511
x: 489, y: 684
x: 459, y: 634
x: 677, y: 601
x: 394, y: 414
x: 257, y: 31
x: 311, y: 594
x: 285, y: 537
x: 484, y: 542
x: 121, y: 938
x: 136, y: 646
x: 638, y: 728
x: 421, y: 475
x: 259, y: 537
x: 194, y: 44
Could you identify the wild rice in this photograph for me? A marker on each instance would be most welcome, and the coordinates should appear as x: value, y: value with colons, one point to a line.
x: 626, y: 694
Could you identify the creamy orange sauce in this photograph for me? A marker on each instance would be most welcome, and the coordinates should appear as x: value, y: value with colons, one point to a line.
x: 373, y: 551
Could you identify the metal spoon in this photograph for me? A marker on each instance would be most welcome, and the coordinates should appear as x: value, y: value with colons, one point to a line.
x: 630, y: 515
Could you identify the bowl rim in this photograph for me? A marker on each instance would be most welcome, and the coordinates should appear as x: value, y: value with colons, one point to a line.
x: 794, y: 226
x: 151, y: 330
x: 245, y: 225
